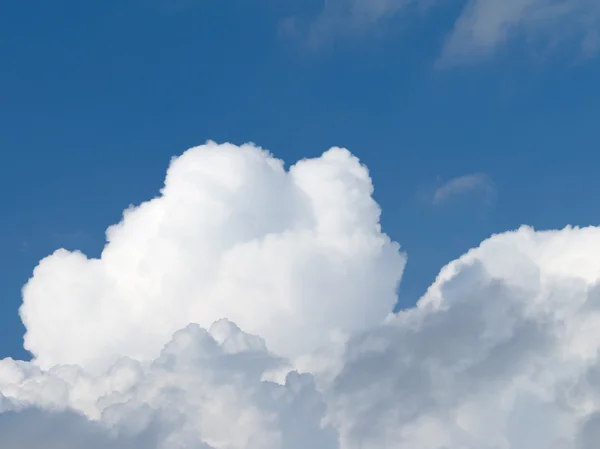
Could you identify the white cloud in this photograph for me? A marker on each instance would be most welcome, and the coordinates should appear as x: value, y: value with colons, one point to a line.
x: 203, y: 391
x: 296, y: 256
x: 500, y: 353
x: 463, y: 184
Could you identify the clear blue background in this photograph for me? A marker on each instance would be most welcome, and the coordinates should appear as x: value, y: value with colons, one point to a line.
x: 95, y: 97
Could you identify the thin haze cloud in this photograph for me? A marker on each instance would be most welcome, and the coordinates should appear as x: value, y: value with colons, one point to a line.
x: 480, y: 29
x: 464, y: 184
x: 485, y: 25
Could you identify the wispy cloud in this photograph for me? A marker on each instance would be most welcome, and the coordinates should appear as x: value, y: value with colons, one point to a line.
x: 344, y: 18
x: 481, y: 27
x: 486, y: 25
x: 464, y: 184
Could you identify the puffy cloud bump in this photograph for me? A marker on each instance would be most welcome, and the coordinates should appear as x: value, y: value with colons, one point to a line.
x: 203, y: 391
x: 295, y: 256
x: 500, y: 353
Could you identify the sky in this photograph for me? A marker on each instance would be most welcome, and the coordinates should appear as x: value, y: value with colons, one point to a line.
x: 473, y: 118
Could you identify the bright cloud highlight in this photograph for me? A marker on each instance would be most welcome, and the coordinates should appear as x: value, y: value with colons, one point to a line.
x: 295, y: 256
x: 186, y: 332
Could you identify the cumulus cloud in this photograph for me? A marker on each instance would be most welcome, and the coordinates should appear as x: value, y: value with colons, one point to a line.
x: 205, y: 390
x: 464, y: 184
x: 501, y: 352
x: 496, y: 354
x: 295, y: 256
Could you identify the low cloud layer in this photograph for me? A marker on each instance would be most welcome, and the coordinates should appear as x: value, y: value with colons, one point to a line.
x: 481, y: 28
x: 247, y: 307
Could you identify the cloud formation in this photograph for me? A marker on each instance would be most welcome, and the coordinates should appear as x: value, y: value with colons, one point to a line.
x: 463, y: 184
x: 481, y: 28
x: 295, y: 256
x: 500, y: 352
x: 203, y: 391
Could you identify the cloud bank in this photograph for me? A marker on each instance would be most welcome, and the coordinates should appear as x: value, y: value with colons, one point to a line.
x: 205, y: 321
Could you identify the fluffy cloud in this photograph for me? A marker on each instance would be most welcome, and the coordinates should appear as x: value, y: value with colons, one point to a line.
x: 295, y: 256
x: 205, y: 390
x: 501, y: 352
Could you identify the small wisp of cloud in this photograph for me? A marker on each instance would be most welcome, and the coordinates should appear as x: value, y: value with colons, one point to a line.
x: 464, y: 184
x: 480, y: 29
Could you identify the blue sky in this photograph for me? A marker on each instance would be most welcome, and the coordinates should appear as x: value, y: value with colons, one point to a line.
x: 96, y: 97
